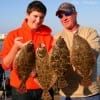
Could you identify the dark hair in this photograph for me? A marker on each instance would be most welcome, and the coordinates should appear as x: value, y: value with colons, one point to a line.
x: 36, y: 6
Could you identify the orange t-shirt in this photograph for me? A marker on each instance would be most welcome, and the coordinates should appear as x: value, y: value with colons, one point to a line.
x: 43, y: 35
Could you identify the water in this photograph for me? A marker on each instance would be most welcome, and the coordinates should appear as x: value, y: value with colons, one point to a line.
x: 98, y: 65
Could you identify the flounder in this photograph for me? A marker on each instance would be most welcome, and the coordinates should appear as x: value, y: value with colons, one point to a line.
x: 83, y: 59
x: 60, y: 61
x: 45, y: 74
x: 24, y: 63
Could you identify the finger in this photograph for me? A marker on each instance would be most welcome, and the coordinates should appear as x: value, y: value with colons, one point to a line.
x: 30, y: 41
x: 18, y: 38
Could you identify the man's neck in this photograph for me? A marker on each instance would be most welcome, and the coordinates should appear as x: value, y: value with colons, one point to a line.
x: 74, y: 29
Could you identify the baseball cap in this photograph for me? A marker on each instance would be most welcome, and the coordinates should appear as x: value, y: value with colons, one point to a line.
x: 66, y: 7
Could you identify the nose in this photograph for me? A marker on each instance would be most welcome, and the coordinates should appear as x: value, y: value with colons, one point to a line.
x: 64, y: 17
x: 38, y: 19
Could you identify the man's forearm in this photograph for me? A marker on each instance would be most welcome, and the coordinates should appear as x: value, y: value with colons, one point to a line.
x: 10, y: 57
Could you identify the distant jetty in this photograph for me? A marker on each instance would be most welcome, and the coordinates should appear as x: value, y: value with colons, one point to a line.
x: 2, y: 36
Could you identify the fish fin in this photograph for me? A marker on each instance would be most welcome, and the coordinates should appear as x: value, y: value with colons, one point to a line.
x: 86, y: 91
x: 62, y: 83
x: 86, y: 83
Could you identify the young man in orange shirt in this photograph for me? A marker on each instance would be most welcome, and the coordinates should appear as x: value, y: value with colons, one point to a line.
x: 34, y: 30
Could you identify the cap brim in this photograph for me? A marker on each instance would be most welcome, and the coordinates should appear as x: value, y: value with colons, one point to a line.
x: 59, y: 11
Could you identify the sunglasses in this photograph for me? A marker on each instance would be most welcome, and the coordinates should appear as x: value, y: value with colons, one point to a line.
x: 67, y: 13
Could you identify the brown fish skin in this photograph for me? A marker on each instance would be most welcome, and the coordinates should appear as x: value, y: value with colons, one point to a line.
x: 83, y: 59
x: 24, y: 64
x: 45, y: 73
x: 60, y: 61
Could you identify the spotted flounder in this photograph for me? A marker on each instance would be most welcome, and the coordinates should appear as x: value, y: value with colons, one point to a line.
x: 45, y: 74
x: 60, y: 61
x: 24, y: 63
x: 82, y: 58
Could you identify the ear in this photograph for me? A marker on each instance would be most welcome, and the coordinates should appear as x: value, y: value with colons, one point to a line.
x: 76, y: 13
x: 27, y: 15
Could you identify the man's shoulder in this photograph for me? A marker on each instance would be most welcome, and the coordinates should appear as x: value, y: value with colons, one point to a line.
x: 57, y: 34
x: 86, y: 28
x: 85, y: 31
x: 13, y: 33
x: 46, y: 28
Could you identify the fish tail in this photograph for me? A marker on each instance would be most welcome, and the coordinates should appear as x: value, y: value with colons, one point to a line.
x: 86, y: 91
x: 86, y: 83
x: 22, y: 88
x: 46, y: 95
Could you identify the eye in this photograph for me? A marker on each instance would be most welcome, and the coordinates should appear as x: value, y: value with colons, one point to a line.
x: 60, y: 15
x: 35, y: 16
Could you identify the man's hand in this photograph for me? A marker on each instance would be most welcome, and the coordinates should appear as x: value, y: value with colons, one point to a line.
x: 17, y: 42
